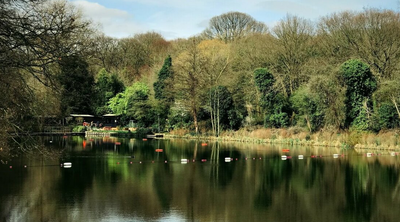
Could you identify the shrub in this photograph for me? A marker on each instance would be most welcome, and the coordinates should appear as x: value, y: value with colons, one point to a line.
x: 277, y: 120
x: 79, y: 129
x: 388, y: 118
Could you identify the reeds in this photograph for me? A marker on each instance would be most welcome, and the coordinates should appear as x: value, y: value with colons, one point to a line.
x: 301, y: 136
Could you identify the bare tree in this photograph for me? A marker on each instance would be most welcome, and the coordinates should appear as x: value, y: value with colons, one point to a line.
x: 294, y: 37
x: 371, y: 35
x: 217, y: 59
x: 105, y: 52
x: 189, y: 69
x: 232, y: 26
x: 34, y: 36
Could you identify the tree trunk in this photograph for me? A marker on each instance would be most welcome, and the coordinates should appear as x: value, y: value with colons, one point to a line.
x: 308, y: 123
x: 395, y: 104
x: 196, y: 125
x: 212, y: 113
x: 218, y: 117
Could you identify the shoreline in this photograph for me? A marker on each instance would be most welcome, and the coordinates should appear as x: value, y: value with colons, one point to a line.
x: 387, y: 141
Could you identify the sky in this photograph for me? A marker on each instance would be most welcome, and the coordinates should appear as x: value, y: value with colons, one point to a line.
x: 175, y: 19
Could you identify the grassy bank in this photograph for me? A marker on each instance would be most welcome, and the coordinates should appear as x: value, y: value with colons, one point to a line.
x: 384, y: 140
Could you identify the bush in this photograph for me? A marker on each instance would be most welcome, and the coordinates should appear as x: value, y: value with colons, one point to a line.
x: 277, y: 120
x: 79, y: 129
x: 388, y: 118
x: 361, y: 122
x: 142, y: 132
x: 352, y: 138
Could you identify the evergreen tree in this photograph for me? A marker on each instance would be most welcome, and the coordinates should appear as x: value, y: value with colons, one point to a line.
x: 360, y: 84
x: 77, y: 85
x: 161, y: 84
x: 162, y: 92
x: 264, y: 81
x: 107, y: 86
x: 275, y: 105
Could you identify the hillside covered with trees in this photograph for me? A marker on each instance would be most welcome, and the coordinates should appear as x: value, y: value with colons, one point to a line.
x: 339, y: 73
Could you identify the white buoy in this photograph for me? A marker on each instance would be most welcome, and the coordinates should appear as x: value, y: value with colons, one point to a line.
x: 335, y: 155
x: 301, y: 157
x: 184, y: 161
x: 392, y: 154
x: 369, y: 154
x: 228, y: 159
x: 284, y: 157
x: 67, y: 165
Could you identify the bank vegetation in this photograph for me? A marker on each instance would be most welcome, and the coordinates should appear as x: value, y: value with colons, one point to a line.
x: 330, y: 82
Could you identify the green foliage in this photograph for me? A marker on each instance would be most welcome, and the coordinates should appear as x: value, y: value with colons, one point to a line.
x: 277, y: 120
x: 362, y: 122
x: 307, y: 107
x: 133, y: 104
x: 178, y: 118
x: 165, y: 73
x: 235, y: 119
x: 162, y: 92
x: 222, y: 103
x: 141, y: 132
x: 388, y: 118
x: 329, y: 96
x: 278, y: 114
x: 77, y: 85
x: 264, y: 81
x: 107, y: 86
x: 276, y: 106
x: 360, y: 86
x: 118, y: 104
x: 239, y: 94
x: 79, y: 129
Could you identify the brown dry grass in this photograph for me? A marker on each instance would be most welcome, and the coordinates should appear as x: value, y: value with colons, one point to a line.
x: 179, y: 132
x: 301, y: 136
x: 261, y: 134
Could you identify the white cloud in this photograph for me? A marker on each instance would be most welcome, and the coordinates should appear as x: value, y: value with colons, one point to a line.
x: 185, y: 18
x: 174, y: 3
x: 114, y: 22
x: 311, y: 9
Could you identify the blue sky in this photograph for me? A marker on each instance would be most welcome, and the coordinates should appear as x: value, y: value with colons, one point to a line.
x: 184, y: 18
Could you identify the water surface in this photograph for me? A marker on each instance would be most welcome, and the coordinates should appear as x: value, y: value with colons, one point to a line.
x: 116, y: 179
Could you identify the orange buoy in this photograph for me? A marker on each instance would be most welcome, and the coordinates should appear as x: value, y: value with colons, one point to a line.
x: 117, y: 143
x: 204, y: 144
x: 159, y: 150
x: 285, y: 150
x: 144, y: 139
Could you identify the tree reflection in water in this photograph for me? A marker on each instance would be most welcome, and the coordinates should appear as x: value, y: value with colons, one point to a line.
x: 132, y: 182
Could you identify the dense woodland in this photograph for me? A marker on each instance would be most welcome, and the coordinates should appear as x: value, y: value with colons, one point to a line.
x: 339, y: 73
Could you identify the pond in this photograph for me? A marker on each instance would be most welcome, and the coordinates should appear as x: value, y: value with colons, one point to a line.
x: 123, y: 179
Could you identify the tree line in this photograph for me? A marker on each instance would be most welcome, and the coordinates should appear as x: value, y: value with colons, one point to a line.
x: 340, y: 72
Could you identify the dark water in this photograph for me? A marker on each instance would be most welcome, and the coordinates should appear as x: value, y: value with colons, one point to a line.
x: 132, y: 182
